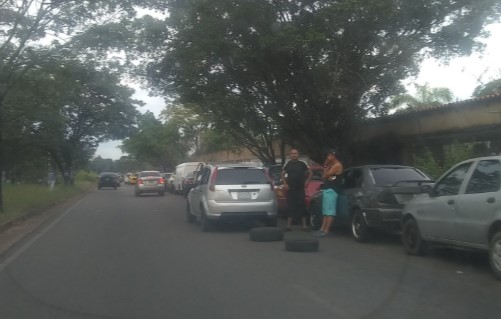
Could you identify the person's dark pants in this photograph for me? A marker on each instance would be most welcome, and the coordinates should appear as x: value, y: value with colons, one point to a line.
x: 296, y: 206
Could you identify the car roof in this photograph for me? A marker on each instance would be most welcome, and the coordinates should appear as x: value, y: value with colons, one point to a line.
x: 373, y: 166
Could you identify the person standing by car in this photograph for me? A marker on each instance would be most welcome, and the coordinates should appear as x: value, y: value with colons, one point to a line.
x: 331, y: 187
x: 298, y: 175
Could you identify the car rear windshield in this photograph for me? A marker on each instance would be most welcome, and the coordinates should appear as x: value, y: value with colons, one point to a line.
x: 391, y: 175
x: 145, y: 174
x: 240, y: 176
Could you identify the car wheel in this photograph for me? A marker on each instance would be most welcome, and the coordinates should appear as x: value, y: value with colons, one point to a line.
x: 495, y: 255
x: 266, y: 234
x: 302, y: 245
x: 315, y: 219
x: 411, y: 238
x: 359, y: 228
x: 272, y: 222
x: 190, y: 218
x: 206, y: 224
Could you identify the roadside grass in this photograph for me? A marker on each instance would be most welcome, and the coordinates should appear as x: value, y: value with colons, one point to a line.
x: 21, y: 199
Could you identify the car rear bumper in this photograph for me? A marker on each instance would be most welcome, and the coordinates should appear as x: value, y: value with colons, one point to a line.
x: 383, y: 217
x: 150, y: 189
x: 256, y: 210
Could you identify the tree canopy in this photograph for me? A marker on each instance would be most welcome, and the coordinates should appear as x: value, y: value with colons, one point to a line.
x: 307, y: 71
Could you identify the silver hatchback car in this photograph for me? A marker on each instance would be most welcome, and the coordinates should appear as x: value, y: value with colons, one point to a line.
x: 463, y: 209
x: 231, y: 193
x: 150, y: 182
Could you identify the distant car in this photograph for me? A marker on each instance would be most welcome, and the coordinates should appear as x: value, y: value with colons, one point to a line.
x: 108, y: 179
x: 231, y: 193
x: 150, y: 182
x: 166, y: 177
x: 189, y: 183
x: 132, y: 179
x: 372, y: 198
x: 312, y: 188
x: 463, y: 209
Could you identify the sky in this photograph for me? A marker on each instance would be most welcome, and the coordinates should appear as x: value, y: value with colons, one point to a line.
x: 461, y: 75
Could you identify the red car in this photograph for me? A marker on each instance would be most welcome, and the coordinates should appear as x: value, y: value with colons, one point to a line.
x: 313, y: 187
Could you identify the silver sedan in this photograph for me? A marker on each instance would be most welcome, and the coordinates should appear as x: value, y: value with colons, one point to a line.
x: 150, y: 182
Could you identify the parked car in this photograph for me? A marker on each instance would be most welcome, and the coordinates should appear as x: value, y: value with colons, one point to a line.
x: 463, y: 209
x: 150, y: 182
x: 108, y: 179
x: 231, y: 193
x: 182, y: 171
x: 372, y: 198
x: 170, y: 183
x: 312, y: 188
x: 166, y: 177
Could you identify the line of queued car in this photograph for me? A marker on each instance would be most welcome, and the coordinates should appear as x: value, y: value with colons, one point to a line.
x: 462, y: 209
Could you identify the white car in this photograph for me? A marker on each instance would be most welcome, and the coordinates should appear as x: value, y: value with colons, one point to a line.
x: 462, y: 209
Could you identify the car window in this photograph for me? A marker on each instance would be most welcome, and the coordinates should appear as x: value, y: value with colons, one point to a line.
x: 389, y: 175
x: 317, y: 174
x: 243, y: 175
x: 451, y: 183
x: 485, y: 177
x: 145, y: 174
x: 352, y: 178
x: 205, y: 176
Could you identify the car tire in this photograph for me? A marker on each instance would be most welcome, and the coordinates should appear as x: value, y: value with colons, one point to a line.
x: 190, y: 218
x: 495, y: 255
x: 207, y: 225
x: 302, y: 245
x: 315, y: 219
x: 266, y: 234
x: 412, y: 241
x: 360, y: 231
x: 272, y: 222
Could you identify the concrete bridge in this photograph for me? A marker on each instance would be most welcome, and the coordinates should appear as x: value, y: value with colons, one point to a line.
x: 397, y: 138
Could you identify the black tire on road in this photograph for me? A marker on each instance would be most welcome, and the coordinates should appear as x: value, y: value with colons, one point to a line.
x: 360, y: 231
x: 302, y: 245
x: 495, y: 255
x: 272, y: 222
x: 411, y: 238
x: 190, y: 218
x: 266, y: 234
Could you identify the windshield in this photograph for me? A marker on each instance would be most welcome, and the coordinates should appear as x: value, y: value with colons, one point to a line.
x: 389, y: 176
x: 241, y: 176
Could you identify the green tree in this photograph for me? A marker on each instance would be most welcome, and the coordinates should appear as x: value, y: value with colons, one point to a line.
x: 425, y: 97
x: 492, y: 87
x: 307, y: 70
x: 156, y: 143
x: 24, y: 23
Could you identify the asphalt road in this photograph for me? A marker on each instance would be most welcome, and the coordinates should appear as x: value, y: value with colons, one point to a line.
x: 113, y: 255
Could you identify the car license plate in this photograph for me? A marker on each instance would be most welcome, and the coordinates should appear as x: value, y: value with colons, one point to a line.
x: 244, y: 195
x: 151, y: 182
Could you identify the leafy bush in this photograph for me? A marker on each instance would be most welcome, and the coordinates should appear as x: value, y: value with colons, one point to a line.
x: 84, y: 176
x: 453, y: 154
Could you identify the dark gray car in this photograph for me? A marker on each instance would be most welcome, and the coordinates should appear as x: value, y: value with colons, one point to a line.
x: 372, y: 198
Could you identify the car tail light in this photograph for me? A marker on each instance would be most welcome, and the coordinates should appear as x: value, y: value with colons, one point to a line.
x: 139, y: 181
x: 212, y: 184
x: 161, y: 180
